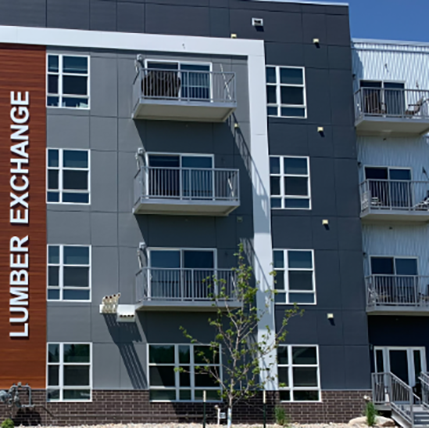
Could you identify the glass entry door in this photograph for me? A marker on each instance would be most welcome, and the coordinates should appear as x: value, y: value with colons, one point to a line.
x: 405, y: 363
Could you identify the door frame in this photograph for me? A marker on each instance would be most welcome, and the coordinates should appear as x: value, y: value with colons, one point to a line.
x: 410, y: 358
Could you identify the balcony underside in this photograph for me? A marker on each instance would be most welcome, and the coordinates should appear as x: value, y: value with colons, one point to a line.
x: 188, y: 306
x: 185, y: 207
x: 407, y: 310
x: 194, y: 111
x: 392, y: 126
x: 421, y: 216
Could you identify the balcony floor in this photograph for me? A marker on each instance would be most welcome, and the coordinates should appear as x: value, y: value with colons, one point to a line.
x: 406, y: 310
x: 185, y: 207
x: 395, y: 126
x: 421, y: 216
x: 195, y: 111
x: 188, y: 306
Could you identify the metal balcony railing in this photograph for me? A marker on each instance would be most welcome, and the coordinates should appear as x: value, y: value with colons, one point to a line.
x: 397, y: 290
x: 392, y: 103
x: 187, y: 184
x: 394, y: 195
x: 424, y: 383
x: 185, y: 285
x: 185, y: 86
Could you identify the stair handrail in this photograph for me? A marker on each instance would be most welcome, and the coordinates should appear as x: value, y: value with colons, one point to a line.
x: 400, y: 395
x: 424, y: 380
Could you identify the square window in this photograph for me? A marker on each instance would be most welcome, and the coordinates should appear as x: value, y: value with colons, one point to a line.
x: 67, y: 81
x: 290, y: 180
x: 68, y: 179
x: 69, y: 273
x: 69, y: 372
x: 286, y: 95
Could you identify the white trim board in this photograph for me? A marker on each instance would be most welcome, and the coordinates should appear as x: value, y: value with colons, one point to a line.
x: 253, y: 50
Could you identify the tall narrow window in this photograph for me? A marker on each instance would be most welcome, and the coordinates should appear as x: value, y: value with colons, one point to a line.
x: 298, y: 371
x: 174, y: 374
x: 68, y: 176
x: 286, y: 92
x: 69, y: 272
x: 290, y: 183
x: 68, y: 81
x: 69, y: 372
x: 294, y: 280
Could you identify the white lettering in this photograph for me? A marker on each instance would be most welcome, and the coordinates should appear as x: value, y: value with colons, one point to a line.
x: 21, y: 294
x: 16, y: 187
x: 16, y: 245
x: 19, y: 101
x: 18, y: 135
x: 20, y: 333
x: 19, y: 170
x: 22, y: 111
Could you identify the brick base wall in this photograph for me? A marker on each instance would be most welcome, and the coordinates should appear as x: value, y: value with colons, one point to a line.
x: 134, y: 407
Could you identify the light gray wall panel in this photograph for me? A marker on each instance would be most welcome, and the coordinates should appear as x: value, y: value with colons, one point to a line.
x: 68, y: 227
x: 106, y: 359
x: 127, y: 168
x: 67, y: 131
x: 128, y: 267
x: 103, y: 133
x: 131, y: 134
x: 104, y: 93
x: 105, y: 273
x: 69, y: 322
x: 104, y: 181
x: 104, y: 229
x: 126, y: 75
x: 133, y: 365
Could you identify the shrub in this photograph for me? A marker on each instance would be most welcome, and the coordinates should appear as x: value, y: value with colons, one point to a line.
x: 281, y: 417
x: 370, y: 413
x: 7, y: 423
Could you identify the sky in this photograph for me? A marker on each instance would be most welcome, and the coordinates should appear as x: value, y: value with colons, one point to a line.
x: 389, y: 19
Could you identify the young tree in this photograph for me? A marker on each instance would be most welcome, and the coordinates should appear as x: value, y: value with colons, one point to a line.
x: 239, y: 374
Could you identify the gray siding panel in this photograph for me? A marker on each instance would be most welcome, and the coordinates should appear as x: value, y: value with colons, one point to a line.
x: 29, y: 13
x: 102, y: 15
x: 130, y: 17
x: 68, y: 14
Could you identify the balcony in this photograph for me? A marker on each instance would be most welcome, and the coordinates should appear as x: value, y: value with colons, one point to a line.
x: 201, y: 96
x: 399, y: 200
x: 397, y: 294
x: 186, y: 191
x: 397, y: 112
x: 186, y: 289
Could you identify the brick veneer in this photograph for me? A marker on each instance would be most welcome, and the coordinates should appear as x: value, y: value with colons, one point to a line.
x: 134, y: 406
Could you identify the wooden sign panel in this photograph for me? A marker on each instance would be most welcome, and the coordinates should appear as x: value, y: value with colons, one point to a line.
x: 22, y: 215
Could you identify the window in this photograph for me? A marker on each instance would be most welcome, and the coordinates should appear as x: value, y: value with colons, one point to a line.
x: 298, y: 373
x: 68, y: 176
x: 294, y: 278
x: 290, y: 183
x: 286, y: 92
x: 68, y: 81
x: 69, y: 372
x: 168, y: 384
x: 69, y: 272
x: 177, y: 80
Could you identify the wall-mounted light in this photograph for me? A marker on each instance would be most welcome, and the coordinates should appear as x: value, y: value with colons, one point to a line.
x: 330, y: 316
x: 233, y: 36
x: 325, y: 222
x: 316, y: 41
x: 236, y: 125
x: 320, y: 129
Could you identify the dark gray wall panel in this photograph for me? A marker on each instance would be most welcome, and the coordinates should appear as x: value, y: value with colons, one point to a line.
x: 29, y: 13
x: 344, y: 139
x: 338, y: 30
x: 340, y: 91
x: 316, y: 57
x: 181, y: 2
x: 325, y: 237
x: 68, y: 14
x: 357, y: 367
x: 322, y: 178
x: 346, y: 187
x: 355, y: 328
x: 291, y: 54
x: 318, y: 96
x: 102, y: 16
x: 314, y: 26
x: 292, y: 232
x: 186, y: 20
x: 340, y: 57
x: 352, y: 284
x: 287, y: 139
x: 262, y: 6
x: 219, y: 22
x: 130, y: 17
x: 332, y: 367
x: 320, y: 144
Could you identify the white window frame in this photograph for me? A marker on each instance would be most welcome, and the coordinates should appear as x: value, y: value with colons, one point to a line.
x: 60, y: 168
x: 179, y: 63
x: 212, y: 250
x: 410, y: 354
x: 291, y: 388
x: 61, y: 266
x: 388, y: 256
x: 60, y: 75
x: 61, y: 365
x: 278, y: 85
x: 192, y: 373
x: 282, y: 177
x: 286, y: 270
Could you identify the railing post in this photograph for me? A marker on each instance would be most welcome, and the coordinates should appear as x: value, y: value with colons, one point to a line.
x: 410, y: 391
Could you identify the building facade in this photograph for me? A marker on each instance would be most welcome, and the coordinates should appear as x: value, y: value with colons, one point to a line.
x: 145, y: 142
x: 392, y: 119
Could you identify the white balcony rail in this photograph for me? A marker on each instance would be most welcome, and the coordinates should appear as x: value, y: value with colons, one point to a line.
x: 185, y: 86
x: 424, y: 382
x: 392, y: 103
x: 397, y: 290
x: 394, y: 195
x: 187, y: 184
x: 185, y: 285
x: 387, y: 388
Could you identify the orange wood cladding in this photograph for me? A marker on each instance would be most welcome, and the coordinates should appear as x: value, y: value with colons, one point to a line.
x: 22, y: 359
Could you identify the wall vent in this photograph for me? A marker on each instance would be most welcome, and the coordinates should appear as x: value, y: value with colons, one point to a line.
x: 257, y: 22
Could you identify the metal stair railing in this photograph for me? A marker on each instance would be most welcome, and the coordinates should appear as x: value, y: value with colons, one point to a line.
x: 388, y: 388
x: 424, y: 380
